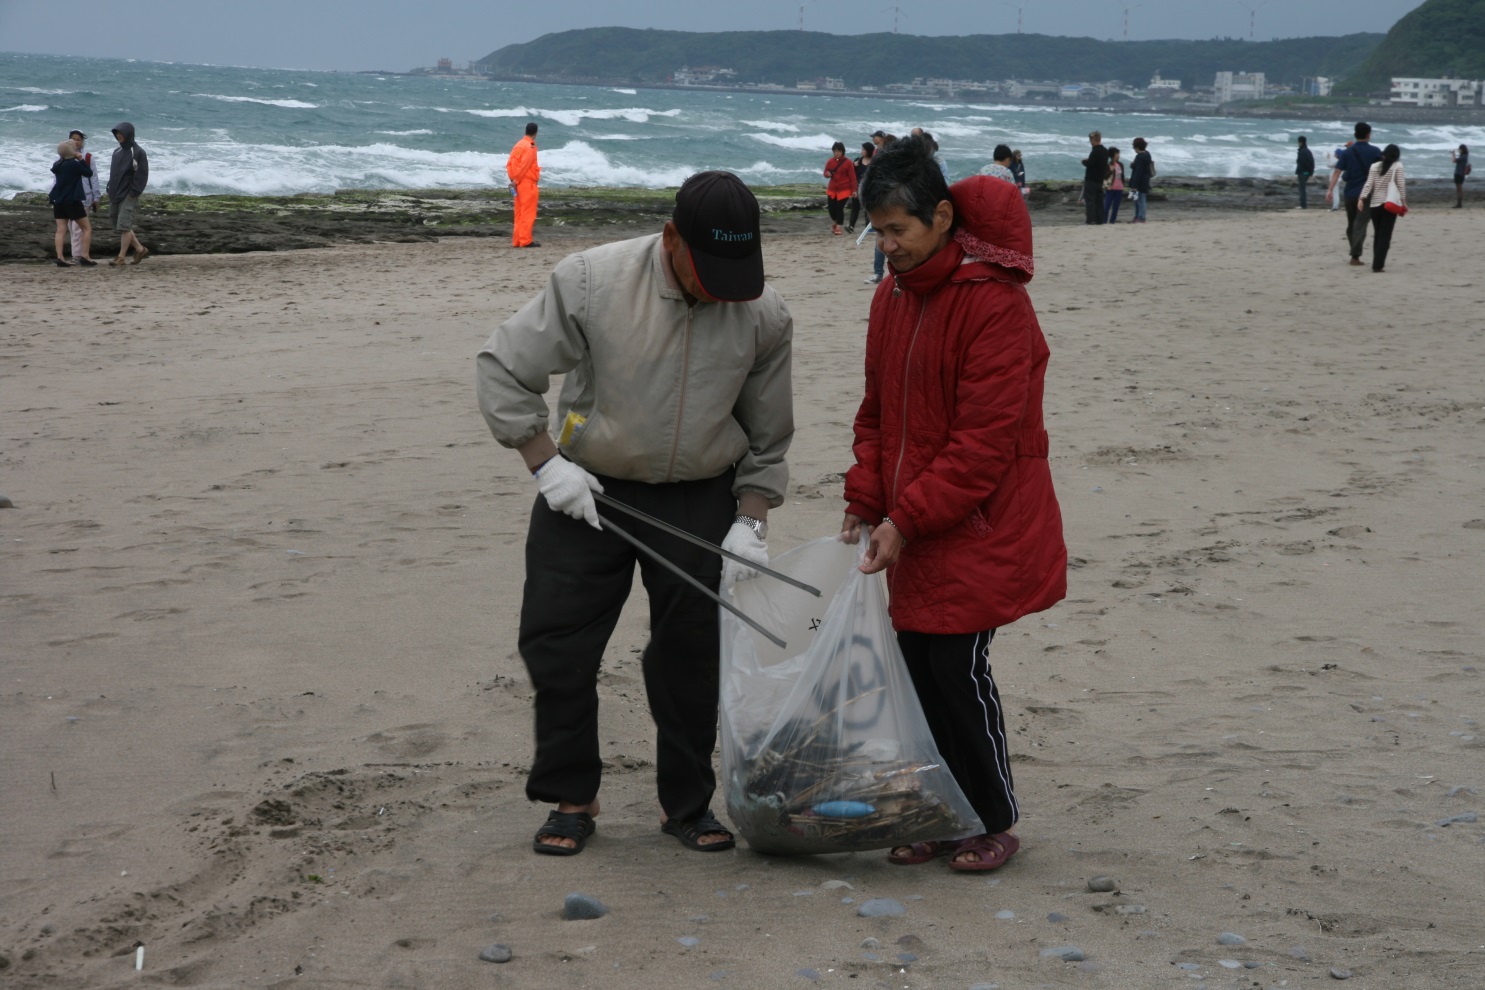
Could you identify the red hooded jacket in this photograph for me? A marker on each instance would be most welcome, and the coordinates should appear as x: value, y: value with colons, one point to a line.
x: 842, y: 175
x: 949, y: 438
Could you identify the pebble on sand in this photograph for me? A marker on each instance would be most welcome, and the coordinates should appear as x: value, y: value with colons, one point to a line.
x: 1005, y: 915
x: 1464, y: 818
x: 1298, y: 952
x: 6, y: 503
x: 1067, y: 953
x: 809, y: 974
x: 984, y: 986
x: 689, y: 941
x: 496, y: 953
x: 1231, y: 938
x: 582, y: 907
x: 1103, y: 885
x: 1056, y: 918
x: 1339, y: 973
x: 881, y: 907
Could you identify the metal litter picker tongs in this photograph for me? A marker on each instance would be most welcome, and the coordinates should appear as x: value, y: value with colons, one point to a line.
x: 676, y: 531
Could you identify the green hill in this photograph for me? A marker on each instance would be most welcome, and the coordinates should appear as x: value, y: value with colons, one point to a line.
x: 614, y: 55
x: 1440, y: 38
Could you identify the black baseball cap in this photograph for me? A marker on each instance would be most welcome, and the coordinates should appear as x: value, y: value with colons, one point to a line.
x: 717, y: 216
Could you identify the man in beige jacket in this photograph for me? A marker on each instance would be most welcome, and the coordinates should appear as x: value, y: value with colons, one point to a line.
x: 678, y: 401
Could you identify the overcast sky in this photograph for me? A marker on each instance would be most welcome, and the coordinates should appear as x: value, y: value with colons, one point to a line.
x: 402, y: 34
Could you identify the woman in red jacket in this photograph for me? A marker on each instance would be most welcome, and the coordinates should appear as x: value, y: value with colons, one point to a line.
x: 951, y: 462
x: 841, y: 172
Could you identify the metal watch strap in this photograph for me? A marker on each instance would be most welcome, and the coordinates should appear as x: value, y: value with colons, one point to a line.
x: 758, y: 526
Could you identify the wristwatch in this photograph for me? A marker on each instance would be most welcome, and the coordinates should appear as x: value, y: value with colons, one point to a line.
x: 758, y: 526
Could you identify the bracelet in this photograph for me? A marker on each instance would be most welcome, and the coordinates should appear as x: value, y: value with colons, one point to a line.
x: 889, y: 522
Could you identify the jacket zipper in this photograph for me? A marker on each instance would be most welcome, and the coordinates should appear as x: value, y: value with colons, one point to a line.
x: 907, y: 363
x: 680, y: 411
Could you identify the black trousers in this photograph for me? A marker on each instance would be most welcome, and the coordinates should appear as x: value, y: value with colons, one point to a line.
x: 1356, y: 220
x: 837, y: 210
x: 951, y: 673
x: 577, y: 580
x: 855, y: 202
x: 1382, y: 224
x: 1093, y: 201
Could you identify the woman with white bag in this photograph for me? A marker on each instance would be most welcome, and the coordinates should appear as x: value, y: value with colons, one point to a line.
x: 1385, y: 179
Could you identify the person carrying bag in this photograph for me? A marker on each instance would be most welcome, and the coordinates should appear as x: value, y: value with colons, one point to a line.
x: 1385, y: 177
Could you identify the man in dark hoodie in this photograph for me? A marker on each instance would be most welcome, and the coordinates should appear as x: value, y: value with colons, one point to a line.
x: 128, y: 174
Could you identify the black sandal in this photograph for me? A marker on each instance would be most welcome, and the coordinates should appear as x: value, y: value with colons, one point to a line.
x: 690, y: 833
x: 574, y: 825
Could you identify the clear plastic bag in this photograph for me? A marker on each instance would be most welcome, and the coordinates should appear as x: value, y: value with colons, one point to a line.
x: 824, y: 744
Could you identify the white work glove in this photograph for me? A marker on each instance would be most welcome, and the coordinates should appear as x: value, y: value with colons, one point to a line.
x: 569, y: 489
x: 742, y: 541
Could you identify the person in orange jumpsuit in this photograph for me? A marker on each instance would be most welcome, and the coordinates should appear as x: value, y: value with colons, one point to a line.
x: 524, y: 173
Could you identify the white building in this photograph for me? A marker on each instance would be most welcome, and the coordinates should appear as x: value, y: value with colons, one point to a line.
x: 702, y: 75
x: 1157, y: 83
x: 1416, y: 92
x: 1239, y: 86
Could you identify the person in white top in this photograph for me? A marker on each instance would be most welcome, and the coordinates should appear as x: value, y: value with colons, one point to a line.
x: 92, y: 193
x: 1386, y: 193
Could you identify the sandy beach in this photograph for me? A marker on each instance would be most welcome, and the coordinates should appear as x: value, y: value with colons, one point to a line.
x: 262, y: 709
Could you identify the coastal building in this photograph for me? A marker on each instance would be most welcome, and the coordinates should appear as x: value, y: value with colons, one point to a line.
x: 1412, y: 91
x: 1162, y: 87
x: 1239, y: 86
x: 702, y: 75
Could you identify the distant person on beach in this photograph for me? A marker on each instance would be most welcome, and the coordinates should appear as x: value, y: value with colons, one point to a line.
x: 841, y: 175
x: 1333, y: 193
x: 860, y: 164
x: 128, y: 176
x: 1095, y: 171
x: 1018, y: 169
x: 677, y: 400
x: 1113, y: 188
x: 524, y: 173
x: 1352, y: 166
x: 879, y: 260
x: 950, y: 468
x: 1461, y: 160
x: 1304, y: 167
x: 1000, y: 165
x: 67, y: 197
x: 92, y: 194
x: 1141, y: 171
x: 1385, y: 196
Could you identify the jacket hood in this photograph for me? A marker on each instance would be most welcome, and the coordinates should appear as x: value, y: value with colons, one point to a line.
x: 994, y: 225
x: 127, y: 129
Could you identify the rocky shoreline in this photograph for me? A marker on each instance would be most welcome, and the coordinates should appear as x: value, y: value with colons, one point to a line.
x: 174, y: 224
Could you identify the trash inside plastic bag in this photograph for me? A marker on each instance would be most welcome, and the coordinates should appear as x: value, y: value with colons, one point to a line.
x: 824, y: 744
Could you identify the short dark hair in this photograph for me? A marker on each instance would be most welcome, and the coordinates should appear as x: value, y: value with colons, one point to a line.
x: 1113, y: 152
x: 1140, y: 144
x: 531, y: 129
x: 1001, y: 151
x: 1363, y: 130
x: 839, y: 145
x: 73, y: 134
x: 906, y: 174
x: 1303, y: 139
x: 867, y: 148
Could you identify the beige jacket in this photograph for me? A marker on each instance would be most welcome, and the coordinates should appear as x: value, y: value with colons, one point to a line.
x: 655, y: 390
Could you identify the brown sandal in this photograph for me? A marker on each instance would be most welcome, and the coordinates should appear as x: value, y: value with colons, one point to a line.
x: 993, y: 850
x: 919, y: 852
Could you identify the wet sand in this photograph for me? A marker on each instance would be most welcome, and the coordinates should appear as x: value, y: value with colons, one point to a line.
x: 263, y: 710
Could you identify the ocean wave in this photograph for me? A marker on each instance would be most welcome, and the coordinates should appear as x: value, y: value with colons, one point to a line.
x: 807, y: 142
x: 574, y: 118
x: 626, y: 92
x: 770, y: 125
x: 45, y: 92
x: 24, y: 108
x: 289, y: 104
x: 420, y: 130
